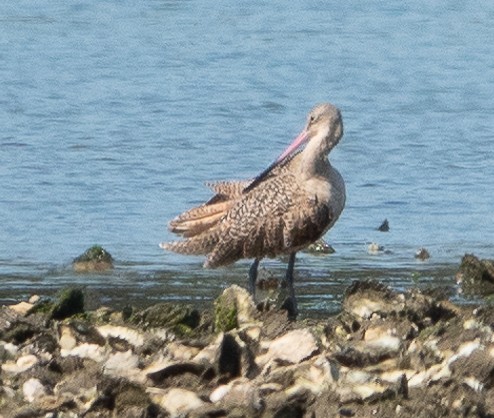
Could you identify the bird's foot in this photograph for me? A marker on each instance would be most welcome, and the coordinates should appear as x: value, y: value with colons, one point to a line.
x: 290, y: 305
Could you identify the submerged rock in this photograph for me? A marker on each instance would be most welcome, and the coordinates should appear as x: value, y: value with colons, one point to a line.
x: 384, y: 227
x: 320, y: 247
x: 422, y: 254
x: 95, y: 258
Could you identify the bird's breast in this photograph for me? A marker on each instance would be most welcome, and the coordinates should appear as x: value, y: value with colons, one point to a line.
x: 327, y: 189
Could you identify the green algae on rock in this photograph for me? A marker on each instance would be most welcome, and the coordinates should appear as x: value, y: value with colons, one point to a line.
x: 180, y: 319
x: 95, y: 258
x: 233, y: 308
x: 70, y: 302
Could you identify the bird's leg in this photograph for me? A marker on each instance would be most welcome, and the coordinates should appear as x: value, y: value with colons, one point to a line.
x: 291, y: 303
x: 253, y: 278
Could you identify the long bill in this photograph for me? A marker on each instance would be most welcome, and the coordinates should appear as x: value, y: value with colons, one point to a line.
x: 297, y: 143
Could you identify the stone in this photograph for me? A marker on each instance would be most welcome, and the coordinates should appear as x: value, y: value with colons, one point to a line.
x: 293, y: 347
x: 89, y: 351
x: 422, y: 254
x: 476, y: 276
x: 22, y: 364
x: 384, y: 227
x: 33, y: 389
x: 374, y: 248
x: 133, y: 337
x: 320, y: 247
x: 94, y: 259
x: 234, y: 308
x: 69, y: 302
x: 181, y: 319
x: 123, y: 365
x: 22, y: 308
x: 178, y: 402
x: 67, y: 340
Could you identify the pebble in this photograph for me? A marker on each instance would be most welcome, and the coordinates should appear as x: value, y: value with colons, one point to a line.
x: 22, y: 308
x: 22, y: 364
x: 33, y: 389
x: 178, y: 402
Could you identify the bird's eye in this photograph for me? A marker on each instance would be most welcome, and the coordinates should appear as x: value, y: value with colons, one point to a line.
x: 312, y: 118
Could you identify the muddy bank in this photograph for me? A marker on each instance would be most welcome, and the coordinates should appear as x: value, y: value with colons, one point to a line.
x: 386, y: 354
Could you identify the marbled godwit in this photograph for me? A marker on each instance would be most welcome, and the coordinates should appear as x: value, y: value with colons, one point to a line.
x: 287, y: 207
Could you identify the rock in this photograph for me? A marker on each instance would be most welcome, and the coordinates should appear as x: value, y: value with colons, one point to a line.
x: 476, y: 276
x: 34, y: 299
x: 374, y: 248
x: 189, y: 375
x: 69, y: 302
x: 422, y: 254
x: 124, y: 365
x: 22, y: 308
x: 386, y: 353
x: 320, y: 247
x: 384, y: 227
x: 89, y: 351
x: 179, y: 402
x: 363, y: 299
x: 181, y: 319
x: 234, y: 358
x: 131, y: 400
x: 22, y: 364
x: 95, y: 258
x: 293, y: 347
x: 67, y: 340
x: 234, y: 308
x: 240, y: 392
x: 133, y: 337
x: 33, y: 389
x: 229, y: 358
x: 182, y: 352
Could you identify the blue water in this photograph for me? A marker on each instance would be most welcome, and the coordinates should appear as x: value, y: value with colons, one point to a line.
x: 113, y: 114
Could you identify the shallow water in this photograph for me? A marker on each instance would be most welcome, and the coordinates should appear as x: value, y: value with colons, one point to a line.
x: 114, y: 114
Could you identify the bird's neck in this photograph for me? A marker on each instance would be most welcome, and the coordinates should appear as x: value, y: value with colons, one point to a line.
x: 314, y: 159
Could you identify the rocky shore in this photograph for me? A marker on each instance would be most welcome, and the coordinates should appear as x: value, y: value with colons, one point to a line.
x: 386, y: 354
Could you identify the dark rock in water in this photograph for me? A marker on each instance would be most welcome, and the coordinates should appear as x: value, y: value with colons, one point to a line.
x: 320, y: 247
x: 422, y: 254
x: 95, y: 258
x: 384, y: 227
x: 475, y: 275
x: 69, y: 302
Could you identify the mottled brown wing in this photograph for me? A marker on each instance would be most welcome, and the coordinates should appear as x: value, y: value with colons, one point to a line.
x: 202, y: 218
x: 274, y: 219
x: 228, y: 189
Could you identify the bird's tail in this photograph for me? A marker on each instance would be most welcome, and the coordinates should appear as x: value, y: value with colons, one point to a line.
x: 197, y: 220
x: 201, y: 244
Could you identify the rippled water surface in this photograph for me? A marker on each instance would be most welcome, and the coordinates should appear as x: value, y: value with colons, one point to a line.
x: 113, y: 114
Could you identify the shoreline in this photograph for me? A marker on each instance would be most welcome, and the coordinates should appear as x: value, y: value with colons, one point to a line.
x: 387, y: 353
